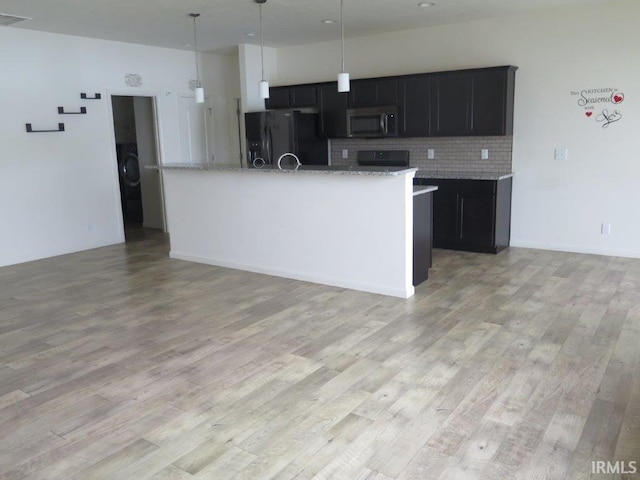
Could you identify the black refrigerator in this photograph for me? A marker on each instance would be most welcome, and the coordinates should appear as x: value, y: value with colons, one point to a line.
x: 273, y: 133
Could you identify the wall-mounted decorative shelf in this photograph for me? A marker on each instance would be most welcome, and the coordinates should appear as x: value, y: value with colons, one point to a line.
x: 31, y: 130
x: 96, y: 96
x: 83, y: 110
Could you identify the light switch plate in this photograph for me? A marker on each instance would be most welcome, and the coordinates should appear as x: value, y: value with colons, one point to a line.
x: 431, y: 154
x: 484, y: 154
x: 345, y: 153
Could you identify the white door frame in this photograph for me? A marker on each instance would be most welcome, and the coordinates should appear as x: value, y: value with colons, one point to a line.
x: 114, y: 153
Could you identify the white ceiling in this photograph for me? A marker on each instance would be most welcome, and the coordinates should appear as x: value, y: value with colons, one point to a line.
x: 224, y: 23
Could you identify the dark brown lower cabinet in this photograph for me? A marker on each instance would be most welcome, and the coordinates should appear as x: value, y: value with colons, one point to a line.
x: 422, y: 236
x: 471, y: 215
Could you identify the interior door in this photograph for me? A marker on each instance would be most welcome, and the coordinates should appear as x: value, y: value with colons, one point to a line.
x: 194, y: 142
x: 151, y: 190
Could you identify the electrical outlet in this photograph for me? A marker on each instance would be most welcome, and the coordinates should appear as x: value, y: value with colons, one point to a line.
x: 431, y: 154
x: 345, y: 153
x: 562, y: 154
x: 484, y: 154
x: 605, y: 228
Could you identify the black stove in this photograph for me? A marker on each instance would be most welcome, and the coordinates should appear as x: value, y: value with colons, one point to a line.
x: 383, y: 158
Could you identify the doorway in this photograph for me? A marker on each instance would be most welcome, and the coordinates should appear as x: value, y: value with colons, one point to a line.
x: 134, y: 122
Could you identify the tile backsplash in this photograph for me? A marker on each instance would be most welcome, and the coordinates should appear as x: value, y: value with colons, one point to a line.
x: 452, y: 154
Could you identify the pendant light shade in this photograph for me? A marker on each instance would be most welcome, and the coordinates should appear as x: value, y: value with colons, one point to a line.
x: 263, y: 85
x: 264, y: 89
x: 343, y: 77
x: 199, y: 91
x: 343, y: 82
x: 199, y: 95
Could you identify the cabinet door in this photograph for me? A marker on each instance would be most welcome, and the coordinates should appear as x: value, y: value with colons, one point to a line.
x: 415, y: 101
x: 333, y: 111
x: 362, y: 93
x: 451, y: 107
x: 387, y: 92
x: 375, y: 92
x: 445, y: 213
x: 489, y: 92
x: 476, y: 213
x: 278, y: 98
x: 422, y: 236
x: 303, y: 96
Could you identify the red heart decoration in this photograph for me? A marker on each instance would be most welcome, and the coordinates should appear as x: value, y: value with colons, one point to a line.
x: 618, y: 98
x: 588, y: 114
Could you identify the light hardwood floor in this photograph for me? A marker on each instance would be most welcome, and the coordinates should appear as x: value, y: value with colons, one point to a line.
x: 119, y: 363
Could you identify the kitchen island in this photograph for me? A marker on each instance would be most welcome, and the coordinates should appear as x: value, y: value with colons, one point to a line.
x: 349, y: 227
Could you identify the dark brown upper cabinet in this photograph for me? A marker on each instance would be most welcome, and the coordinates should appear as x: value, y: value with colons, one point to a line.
x: 333, y: 111
x: 373, y: 92
x: 473, y: 102
x: 278, y: 98
x: 446, y: 104
x: 302, y: 96
x: 296, y: 96
x: 414, y: 92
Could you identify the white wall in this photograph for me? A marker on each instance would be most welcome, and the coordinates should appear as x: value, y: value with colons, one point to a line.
x: 556, y: 205
x: 250, y: 67
x: 221, y: 79
x: 59, y: 191
x: 251, y: 74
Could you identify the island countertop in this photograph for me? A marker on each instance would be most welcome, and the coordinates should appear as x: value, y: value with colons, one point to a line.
x: 465, y: 175
x: 305, y: 169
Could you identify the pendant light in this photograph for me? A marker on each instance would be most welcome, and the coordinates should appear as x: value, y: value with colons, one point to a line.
x: 343, y: 77
x: 263, y: 85
x: 199, y: 91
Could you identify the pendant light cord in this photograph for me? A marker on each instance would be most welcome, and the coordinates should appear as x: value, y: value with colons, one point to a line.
x: 342, y: 30
x: 195, y: 46
x: 261, y: 44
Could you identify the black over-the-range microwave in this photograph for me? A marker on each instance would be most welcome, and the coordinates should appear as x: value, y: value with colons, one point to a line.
x: 373, y: 122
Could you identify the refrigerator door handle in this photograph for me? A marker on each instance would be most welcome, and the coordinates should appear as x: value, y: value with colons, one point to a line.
x: 270, y: 151
x: 264, y: 152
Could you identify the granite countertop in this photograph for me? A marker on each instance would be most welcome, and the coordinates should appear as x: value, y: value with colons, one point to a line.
x: 465, y: 175
x: 314, y: 169
x: 420, y: 189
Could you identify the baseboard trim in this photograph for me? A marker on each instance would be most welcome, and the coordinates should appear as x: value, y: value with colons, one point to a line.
x: 399, y: 293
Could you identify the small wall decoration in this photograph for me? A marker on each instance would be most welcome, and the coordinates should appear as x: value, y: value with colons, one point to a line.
x: 61, y: 111
x: 31, y: 130
x: 133, y: 80
x: 601, y: 105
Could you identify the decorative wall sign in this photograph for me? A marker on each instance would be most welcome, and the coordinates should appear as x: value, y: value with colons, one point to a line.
x: 133, y: 80
x: 600, y: 104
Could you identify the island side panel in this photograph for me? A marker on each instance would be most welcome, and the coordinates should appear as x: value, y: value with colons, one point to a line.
x: 349, y: 231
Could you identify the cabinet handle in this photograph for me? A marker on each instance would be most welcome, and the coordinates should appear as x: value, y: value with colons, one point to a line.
x: 461, y: 220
